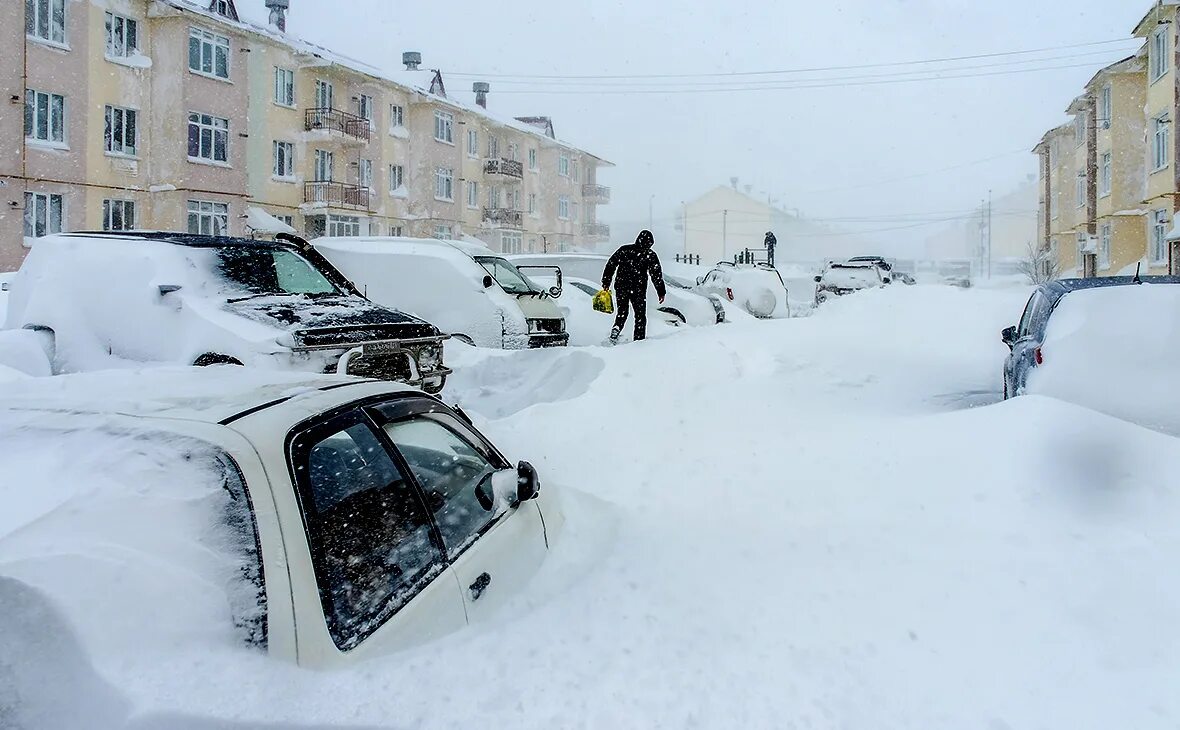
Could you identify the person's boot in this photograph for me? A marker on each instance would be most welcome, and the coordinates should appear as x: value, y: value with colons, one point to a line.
x: 614, y: 335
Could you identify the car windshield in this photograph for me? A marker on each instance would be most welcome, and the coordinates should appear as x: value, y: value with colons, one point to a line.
x: 506, y: 275
x: 262, y: 270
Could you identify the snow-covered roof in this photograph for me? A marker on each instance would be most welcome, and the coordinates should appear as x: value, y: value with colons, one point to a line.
x: 1142, y: 28
x: 260, y: 221
x: 1131, y: 64
x: 405, y: 246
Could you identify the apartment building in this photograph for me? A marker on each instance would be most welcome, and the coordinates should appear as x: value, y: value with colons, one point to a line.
x: 1058, y: 182
x: 178, y: 115
x: 1158, y: 30
x: 1119, y: 93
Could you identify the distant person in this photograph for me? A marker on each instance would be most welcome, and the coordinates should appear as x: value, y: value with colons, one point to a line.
x: 635, y: 264
x: 771, y: 242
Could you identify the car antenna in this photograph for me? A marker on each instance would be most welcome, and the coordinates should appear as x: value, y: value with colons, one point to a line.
x: 1137, y: 280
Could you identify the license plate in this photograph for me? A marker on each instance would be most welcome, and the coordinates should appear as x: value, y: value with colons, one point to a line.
x: 381, y: 348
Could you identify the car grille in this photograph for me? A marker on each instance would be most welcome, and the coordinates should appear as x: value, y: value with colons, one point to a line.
x: 550, y: 326
x: 379, y: 365
x: 348, y: 336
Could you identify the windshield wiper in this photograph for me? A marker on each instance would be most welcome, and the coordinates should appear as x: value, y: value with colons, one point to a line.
x: 259, y: 295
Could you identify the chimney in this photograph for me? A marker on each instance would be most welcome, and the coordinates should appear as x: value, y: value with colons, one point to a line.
x: 278, y: 13
x: 412, y: 59
x: 481, y: 89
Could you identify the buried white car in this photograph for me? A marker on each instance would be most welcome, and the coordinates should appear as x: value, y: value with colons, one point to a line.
x: 319, y: 519
x: 757, y: 288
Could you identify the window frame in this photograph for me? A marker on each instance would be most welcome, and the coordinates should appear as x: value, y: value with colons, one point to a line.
x: 1161, y: 140
x: 472, y: 195
x: 563, y: 165
x: 127, y: 48
x: 324, y: 160
x: 283, y: 172
x: 33, y: 119
x: 364, y: 173
x: 1105, y: 174
x: 213, y: 41
x: 397, y: 174
x: 1159, y: 238
x: 473, y: 143
x: 31, y: 197
x: 125, y: 206
x: 1105, y: 234
x: 366, y: 109
x: 397, y: 117
x: 444, y: 177
x: 1160, y: 48
x: 1082, y: 190
x: 112, y: 146
x: 563, y: 207
x: 1106, y: 106
x: 444, y: 127
x: 33, y: 22
x: 533, y: 159
x: 215, y: 129
x: 342, y: 226
x: 284, y: 87
x: 213, y: 213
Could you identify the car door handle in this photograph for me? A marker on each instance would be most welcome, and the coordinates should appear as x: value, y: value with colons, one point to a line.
x: 480, y: 585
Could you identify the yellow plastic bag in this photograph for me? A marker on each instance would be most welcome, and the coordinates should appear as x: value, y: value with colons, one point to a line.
x: 603, y: 302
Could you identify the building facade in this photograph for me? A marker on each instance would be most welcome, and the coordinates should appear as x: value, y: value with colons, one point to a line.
x: 177, y: 115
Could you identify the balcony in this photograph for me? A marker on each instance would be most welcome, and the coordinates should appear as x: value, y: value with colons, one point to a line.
x: 507, y: 168
x: 504, y: 218
x: 596, y: 231
x: 350, y: 126
x: 596, y: 193
x: 336, y: 195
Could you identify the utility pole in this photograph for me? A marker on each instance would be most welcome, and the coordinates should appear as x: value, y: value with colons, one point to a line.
x: 989, y: 234
x: 684, y: 224
x: 724, y: 234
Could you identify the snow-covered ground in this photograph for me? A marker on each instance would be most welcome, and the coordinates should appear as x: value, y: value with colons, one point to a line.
x: 822, y: 522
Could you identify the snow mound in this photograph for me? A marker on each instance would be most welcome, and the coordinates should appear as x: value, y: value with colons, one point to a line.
x: 22, y: 351
x: 497, y: 386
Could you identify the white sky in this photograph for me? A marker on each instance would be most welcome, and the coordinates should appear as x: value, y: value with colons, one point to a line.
x: 804, y: 147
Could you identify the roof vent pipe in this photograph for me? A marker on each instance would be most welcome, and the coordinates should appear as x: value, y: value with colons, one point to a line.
x: 481, y: 89
x: 412, y: 59
x: 278, y: 13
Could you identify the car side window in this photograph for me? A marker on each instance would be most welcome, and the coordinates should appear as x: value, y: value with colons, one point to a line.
x: 449, y: 468
x: 1026, y: 319
x: 371, y: 538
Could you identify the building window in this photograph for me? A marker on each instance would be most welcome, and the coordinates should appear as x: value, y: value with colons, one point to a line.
x: 511, y: 242
x: 365, y: 174
x: 46, y: 19
x: 397, y: 116
x: 1159, y: 147
x: 118, y: 215
x: 1159, y: 237
x: 397, y: 231
x: 120, y: 132
x: 563, y: 165
x: 532, y: 203
x: 224, y: 8
x: 472, y: 143
x: 514, y: 152
x: 444, y: 184
x: 206, y: 218
x: 45, y: 117
x: 532, y: 158
x: 563, y: 207
x: 397, y: 179
x: 444, y: 127
x: 1159, y: 54
x: 208, y: 138
x: 472, y: 194
x: 122, y: 36
x: 284, y: 162
x: 443, y: 233
x: 1106, y: 107
x: 44, y: 214
x: 493, y: 196
x: 1104, y: 247
x: 1079, y: 129
x: 1105, y: 174
x: 576, y: 169
x: 323, y: 165
x: 364, y: 107
x: 325, y: 95
x: 344, y: 226
x: 514, y: 200
x: 1083, y: 184
x: 1082, y: 240
x: 208, y: 53
x: 284, y: 87
x: 493, y: 147
x: 288, y: 219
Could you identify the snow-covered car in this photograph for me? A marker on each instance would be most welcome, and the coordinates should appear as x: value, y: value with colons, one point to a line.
x: 319, y: 519
x: 757, y: 288
x: 5, y: 281
x: 839, y: 279
x: 589, y: 327
x: 471, y: 292
x: 1110, y: 343
x: 681, y: 300
x: 103, y: 300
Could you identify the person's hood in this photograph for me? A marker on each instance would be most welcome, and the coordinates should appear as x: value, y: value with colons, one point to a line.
x: 645, y: 239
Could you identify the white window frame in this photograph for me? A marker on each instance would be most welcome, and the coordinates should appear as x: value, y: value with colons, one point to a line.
x: 325, y: 164
x: 45, y: 21
x: 325, y: 94
x: 473, y: 143
x: 209, y: 43
x: 397, y: 116
x: 1106, y: 106
x: 1160, y: 50
x: 563, y: 207
x: 1082, y: 190
x: 444, y: 127
x: 51, y: 207
x: 284, y: 161
x: 443, y: 232
x: 493, y: 147
x: 472, y: 194
x: 1105, y: 174
x: 126, y: 214
x: 1104, y: 236
x: 514, y: 151
x: 533, y: 159
x: 563, y: 165
x: 116, y: 118
x: 285, y: 87
x: 511, y: 242
x: 1161, y: 155
x: 364, y: 174
x: 444, y: 184
x: 365, y: 108
x: 211, y: 212
x: 493, y: 196
x: 1158, y: 253
x: 343, y: 226
x: 397, y: 231
x: 397, y: 178
x: 532, y: 204
x: 54, y: 113
x: 576, y: 171
x: 122, y: 36
x: 217, y: 127
x: 1079, y: 129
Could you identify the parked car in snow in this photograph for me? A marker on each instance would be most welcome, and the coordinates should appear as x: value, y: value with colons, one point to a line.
x: 759, y: 289
x: 839, y: 279
x: 879, y: 261
x: 681, y: 301
x: 471, y: 292
x: 1110, y: 343
x: 103, y: 300
x: 322, y: 519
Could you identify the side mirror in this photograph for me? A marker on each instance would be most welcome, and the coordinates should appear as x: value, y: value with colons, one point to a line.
x: 818, y: 279
x: 887, y: 280
x: 528, y: 484
x: 4, y: 286
x: 166, y: 289
x: 1009, y: 336
x: 555, y: 291
x: 488, y: 281
x: 700, y: 280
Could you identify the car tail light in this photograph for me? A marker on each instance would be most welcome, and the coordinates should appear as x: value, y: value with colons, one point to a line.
x: 1040, y: 358
x: 729, y: 293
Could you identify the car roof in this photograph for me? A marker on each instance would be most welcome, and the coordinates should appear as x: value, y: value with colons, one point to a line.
x: 1064, y: 286
x: 404, y: 245
x: 177, y: 239
x: 211, y: 395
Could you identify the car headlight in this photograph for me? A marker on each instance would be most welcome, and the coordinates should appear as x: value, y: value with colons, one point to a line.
x: 430, y: 358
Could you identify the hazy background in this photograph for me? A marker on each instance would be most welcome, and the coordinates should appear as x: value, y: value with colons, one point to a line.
x: 896, y: 161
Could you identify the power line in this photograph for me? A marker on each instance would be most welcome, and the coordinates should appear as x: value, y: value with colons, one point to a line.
x: 916, y: 175
x: 948, y: 59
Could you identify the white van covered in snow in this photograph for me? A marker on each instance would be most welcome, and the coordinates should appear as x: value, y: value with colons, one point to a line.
x: 465, y: 289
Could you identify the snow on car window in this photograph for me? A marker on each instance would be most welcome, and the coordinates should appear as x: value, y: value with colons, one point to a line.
x: 270, y: 270
x: 507, y: 276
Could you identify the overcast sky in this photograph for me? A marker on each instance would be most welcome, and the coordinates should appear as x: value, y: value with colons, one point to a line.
x: 833, y: 153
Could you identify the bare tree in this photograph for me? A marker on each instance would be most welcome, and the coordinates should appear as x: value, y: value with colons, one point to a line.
x: 1039, y: 264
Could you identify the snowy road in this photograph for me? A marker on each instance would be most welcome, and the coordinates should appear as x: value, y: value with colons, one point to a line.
x: 818, y: 523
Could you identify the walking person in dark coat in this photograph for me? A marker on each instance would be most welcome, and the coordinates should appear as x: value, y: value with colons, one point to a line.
x: 770, y: 241
x: 630, y: 268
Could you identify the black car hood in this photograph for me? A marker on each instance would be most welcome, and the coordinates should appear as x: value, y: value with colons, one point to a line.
x: 344, y: 319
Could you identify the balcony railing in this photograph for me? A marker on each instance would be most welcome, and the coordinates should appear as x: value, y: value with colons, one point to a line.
x: 507, y: 168
x: 596, y: 230
x: 335, y: 120
x: 503, y: 217
x: 596, y: 193
x: 340, y: 195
